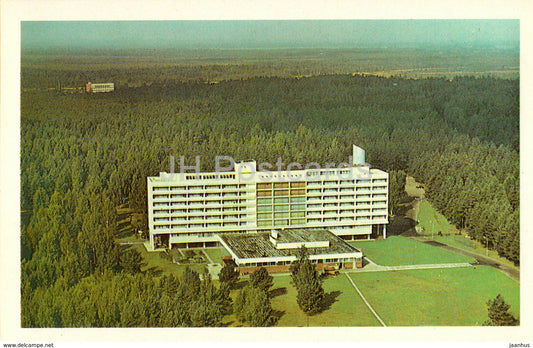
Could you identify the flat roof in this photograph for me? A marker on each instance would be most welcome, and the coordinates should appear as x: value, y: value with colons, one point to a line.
x: 258, y: 245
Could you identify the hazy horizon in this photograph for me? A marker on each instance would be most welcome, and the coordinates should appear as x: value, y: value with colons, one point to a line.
x: 271, y: 34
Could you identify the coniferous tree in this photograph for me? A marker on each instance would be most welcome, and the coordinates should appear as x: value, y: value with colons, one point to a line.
x: 229, y: 274
x: 305, y: 277
x: 260, y: 279
x: 310, y: 291
x: 131, y: 261
x: 498, y: 312
x: 253, y: 306
x: 302, y: 256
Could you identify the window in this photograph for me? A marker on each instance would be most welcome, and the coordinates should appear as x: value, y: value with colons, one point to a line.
x: 264, y: 215
x: 264, y: 193
x: 297, y: 199
x: 298, y: 222
x: 297, y: 206
x: 296, y: 214
x: 298, y: 192
x: 281, y: 185
x: 264, y: 208
x: 264, y: 201
x: 281, y: 207
x: 265, y: 185
x: 281, y: 192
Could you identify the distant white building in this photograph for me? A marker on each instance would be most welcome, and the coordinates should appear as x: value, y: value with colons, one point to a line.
x: 190, y: 209
x: 99, y: 87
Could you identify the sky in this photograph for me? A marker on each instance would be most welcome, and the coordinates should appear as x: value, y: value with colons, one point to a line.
x: 269, y: 34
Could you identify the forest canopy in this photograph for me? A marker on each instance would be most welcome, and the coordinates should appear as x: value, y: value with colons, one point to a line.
x: 83, y: 155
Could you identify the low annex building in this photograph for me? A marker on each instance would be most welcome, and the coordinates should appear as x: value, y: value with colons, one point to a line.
x: 276, y: 250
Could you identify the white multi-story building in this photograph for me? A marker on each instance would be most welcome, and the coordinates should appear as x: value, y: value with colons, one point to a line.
x: 190, y: 209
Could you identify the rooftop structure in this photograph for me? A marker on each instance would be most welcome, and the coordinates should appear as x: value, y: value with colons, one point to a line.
x: 190, y: 209
x: 278, y: 249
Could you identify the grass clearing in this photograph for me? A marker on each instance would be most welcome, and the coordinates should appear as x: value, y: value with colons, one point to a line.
x: 437, y: 297
x: 158, y: 264
x: 398, y: 250
x: 433, y: 222
x: 344, y: 307
x: 427, y: 214
x: 216, y: 254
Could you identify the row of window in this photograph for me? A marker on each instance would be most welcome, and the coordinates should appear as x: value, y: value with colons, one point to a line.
x: 300, y: 221
x: 344, y: 204
x: 200, y: 225
x: 281, y: 222
x: 342, y: 181
x: 284, y: 263
x: 292, y: 184
x: 280, y: 215
x: 281, y: 207
x: 198, y: 210
x: 345, y: 197
x: 201, y: 234
x: 199, y: 187
x: 195, y: 196
x: 209, y: 176
x: 281, y: 192
x: 345, y: 218
x: 193, y: 218
x: 276, y: 185
x: 346, y: 211
x: 284, y: 200
x: 200, y: 203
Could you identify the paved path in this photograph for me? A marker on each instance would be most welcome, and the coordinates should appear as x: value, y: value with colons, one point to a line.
x: 207, y: 256
x: 483, y: 260
x: 373, y: 267
x: 130, y: 243
x: 214, y: 269
x: 364, y: 299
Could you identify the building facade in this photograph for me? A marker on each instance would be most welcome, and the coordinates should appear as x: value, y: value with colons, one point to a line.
x: 190, y: 209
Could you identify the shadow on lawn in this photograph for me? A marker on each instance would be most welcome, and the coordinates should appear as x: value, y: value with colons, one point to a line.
x: 240, y: 284
x: 329, y: 299
x: 277, y: 315
x: 401, y: 225
x: 277, y: 292
x: 124, y: 227
x: 154, y: 271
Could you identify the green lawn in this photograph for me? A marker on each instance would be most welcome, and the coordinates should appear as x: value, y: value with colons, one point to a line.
x: 439, y: 297
x: 216, y: 254
x: 346, y: 307
x: 427, y: 214
x: 157, y: 264
x: 398, y: 250
x: 431, y: 221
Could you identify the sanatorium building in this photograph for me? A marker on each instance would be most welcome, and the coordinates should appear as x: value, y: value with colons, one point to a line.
x: 193, y: 209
